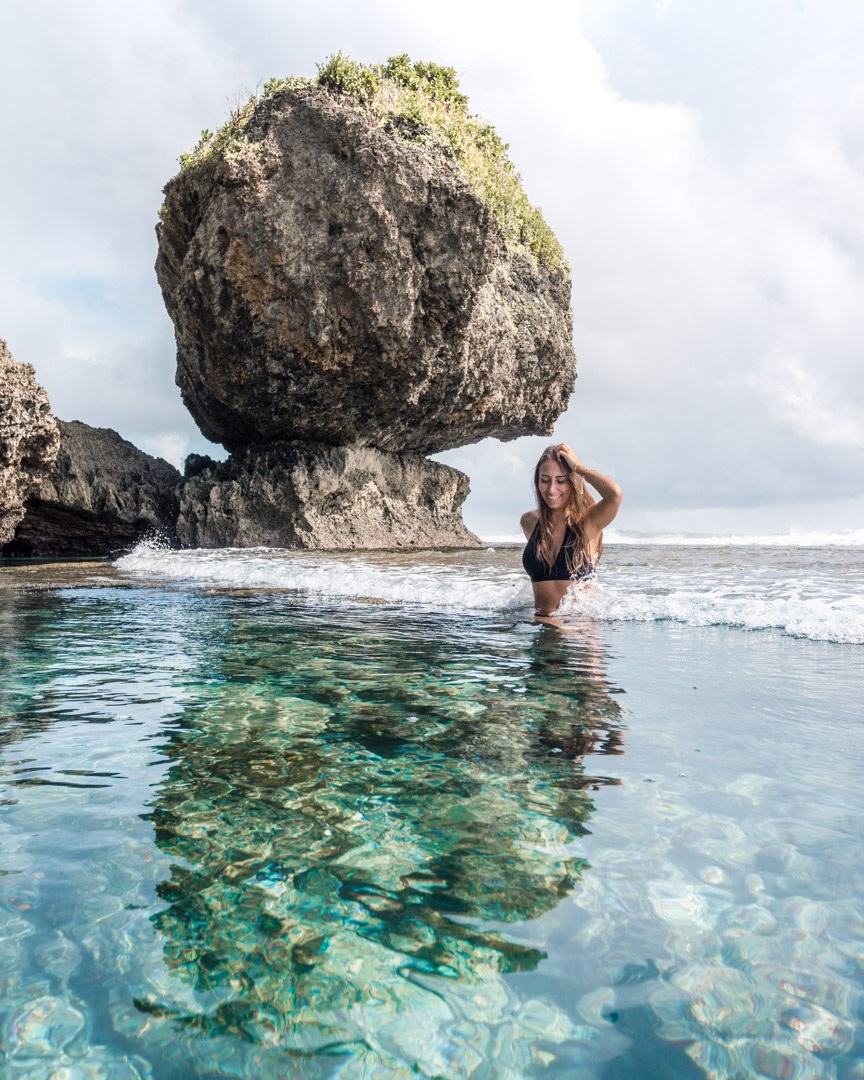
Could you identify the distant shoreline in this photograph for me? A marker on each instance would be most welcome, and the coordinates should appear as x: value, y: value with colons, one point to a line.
x: 845, y: 538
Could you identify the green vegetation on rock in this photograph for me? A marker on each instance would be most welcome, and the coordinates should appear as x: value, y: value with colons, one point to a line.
x: 419, y: 101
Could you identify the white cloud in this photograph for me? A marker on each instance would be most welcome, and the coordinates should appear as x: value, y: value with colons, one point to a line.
x: 809, y: 403
x: 170, y: 445
x: 99, y: 99
x: 695, y: 260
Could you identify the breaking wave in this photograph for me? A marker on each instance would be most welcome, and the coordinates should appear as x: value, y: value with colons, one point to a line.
x: 820, y: 599
x: 795, y: 538
x: 817, y: 618
x: 454, y: 583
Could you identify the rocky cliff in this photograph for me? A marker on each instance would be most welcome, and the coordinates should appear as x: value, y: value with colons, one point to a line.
x: 28, y: 439
x: 102, y: 495
x: 352, y: 261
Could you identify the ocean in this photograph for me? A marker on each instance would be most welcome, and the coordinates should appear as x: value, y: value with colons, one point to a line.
x: 789, y: 583
x: 358, y: 815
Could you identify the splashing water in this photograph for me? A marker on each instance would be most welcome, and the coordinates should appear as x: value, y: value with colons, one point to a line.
x: 815, y: 593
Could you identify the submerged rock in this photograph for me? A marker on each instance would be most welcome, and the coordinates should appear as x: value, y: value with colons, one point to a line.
x: 28, y: 439
x: 341, y: 268
x: 319, y: 496
x: 103, y: 495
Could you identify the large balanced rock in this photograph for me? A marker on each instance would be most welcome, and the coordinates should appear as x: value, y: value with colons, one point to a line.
x: 319, y: 496
x: 28, y: 439
x: 353, y: 261
x: 102, y: 496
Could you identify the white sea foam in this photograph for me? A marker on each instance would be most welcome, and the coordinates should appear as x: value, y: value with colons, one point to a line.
x: 448, y: 585
x: 820, y: 597
x: 812, y: 538
x: 817, y: 618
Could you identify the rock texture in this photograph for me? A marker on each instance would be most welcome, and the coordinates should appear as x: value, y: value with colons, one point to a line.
x: 332, y: 280
x: 28, y: 439
x: 102, y: 496
x: 319, y: 496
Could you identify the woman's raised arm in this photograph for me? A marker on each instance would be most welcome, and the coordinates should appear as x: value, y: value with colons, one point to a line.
x: 602, y: 513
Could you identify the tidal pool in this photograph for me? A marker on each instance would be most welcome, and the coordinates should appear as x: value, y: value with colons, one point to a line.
x: 251, y: 834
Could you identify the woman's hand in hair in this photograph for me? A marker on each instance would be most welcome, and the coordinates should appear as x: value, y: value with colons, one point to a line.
x: 569, y: 455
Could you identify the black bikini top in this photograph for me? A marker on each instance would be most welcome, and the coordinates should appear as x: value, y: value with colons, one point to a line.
x: 539, y: 570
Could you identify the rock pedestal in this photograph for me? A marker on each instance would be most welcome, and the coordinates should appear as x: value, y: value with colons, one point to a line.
x: 356, y: 278
x: 319, y: 496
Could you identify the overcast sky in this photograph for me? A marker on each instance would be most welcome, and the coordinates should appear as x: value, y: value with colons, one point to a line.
x: 702, y: 163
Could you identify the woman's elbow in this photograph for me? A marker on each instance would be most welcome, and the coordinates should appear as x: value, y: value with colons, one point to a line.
x: 612, y: 504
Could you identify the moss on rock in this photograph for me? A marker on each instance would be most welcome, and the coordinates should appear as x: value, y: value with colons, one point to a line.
x: 420, y: 102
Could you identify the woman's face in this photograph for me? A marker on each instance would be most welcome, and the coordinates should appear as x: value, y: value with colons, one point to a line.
x: 554, y: 485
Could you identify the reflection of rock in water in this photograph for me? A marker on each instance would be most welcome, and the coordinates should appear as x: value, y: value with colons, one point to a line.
x: 27, y: 622
x: 347, y: 807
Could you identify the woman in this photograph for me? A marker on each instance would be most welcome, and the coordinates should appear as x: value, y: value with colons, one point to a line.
x: 565, y: 532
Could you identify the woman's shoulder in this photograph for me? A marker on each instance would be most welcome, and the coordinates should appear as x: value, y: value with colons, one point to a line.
x: 528, y: 522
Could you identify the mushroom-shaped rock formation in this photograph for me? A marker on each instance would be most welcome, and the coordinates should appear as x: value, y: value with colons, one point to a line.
x: 102, y: 496
x: 28, y: 439
x: 351, y: 260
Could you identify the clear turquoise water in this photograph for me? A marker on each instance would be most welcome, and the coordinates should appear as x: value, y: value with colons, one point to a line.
x: 252, y: 834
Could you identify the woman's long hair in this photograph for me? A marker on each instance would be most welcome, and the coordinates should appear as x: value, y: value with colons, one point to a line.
x: 579, y: 502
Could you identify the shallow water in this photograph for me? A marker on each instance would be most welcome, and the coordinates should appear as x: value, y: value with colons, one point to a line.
x: 257, y: 833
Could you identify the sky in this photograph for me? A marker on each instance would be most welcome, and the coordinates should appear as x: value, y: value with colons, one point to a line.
x: 702, y: 164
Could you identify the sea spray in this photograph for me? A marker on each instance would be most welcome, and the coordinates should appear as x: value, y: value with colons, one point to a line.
x: 393, y: 578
